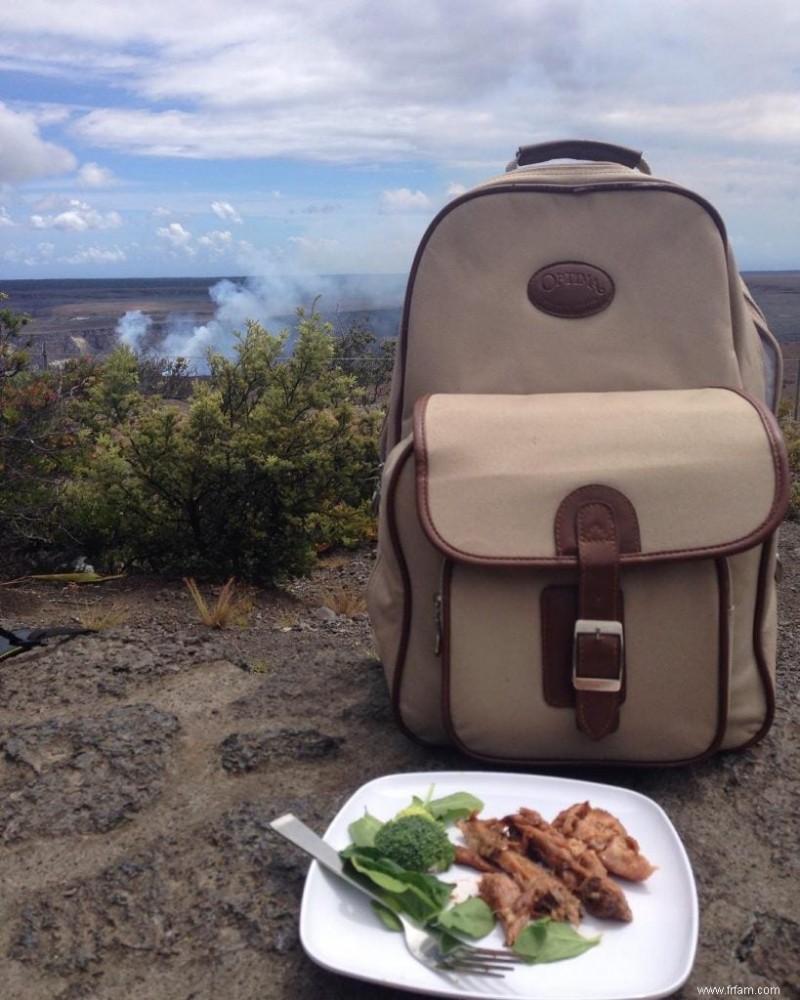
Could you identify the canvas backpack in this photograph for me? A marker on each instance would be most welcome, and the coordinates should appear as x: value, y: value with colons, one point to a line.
x: 583, y: 475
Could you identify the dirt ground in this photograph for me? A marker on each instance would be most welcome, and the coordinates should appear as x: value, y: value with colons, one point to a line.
x: 141, y: 766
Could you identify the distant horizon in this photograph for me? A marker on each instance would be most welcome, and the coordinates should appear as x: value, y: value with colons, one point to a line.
x: 288, y: 275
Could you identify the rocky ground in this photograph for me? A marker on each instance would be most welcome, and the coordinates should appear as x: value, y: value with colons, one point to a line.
x: 141, y: 766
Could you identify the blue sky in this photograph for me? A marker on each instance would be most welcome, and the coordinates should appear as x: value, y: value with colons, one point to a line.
x: 252, y: 137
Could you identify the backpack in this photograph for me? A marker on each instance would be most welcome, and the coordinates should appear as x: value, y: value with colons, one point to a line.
x: 583, y: 475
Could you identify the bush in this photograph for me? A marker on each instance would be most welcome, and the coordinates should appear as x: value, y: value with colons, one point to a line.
x: 272, y: 460
x: 39, y: 444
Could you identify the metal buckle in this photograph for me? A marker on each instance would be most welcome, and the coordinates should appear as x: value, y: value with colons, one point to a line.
x: 597, y: 627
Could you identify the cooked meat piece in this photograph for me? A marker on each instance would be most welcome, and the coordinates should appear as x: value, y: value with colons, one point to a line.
x: 502, y: 894
x: 483, y: 836
x: 579, y: 870
x: 466, y: 856
x: 515, y: 906
x: 577, y: 851
x: 548, y: 894
x: 605, y: 835
x: 569, y: 857
x: 603, y: 898
x: 487, y: 843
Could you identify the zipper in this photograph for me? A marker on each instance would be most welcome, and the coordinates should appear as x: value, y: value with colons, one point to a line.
x: 438, y: 611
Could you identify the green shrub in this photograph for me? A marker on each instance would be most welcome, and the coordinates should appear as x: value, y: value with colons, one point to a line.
x: 272, y: 460
x: 39, y: 444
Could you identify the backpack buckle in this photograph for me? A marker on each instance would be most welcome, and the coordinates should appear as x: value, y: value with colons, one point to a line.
x: 597, y: 628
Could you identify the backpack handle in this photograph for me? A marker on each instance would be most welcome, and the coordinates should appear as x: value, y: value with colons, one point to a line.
x: 578, y: 149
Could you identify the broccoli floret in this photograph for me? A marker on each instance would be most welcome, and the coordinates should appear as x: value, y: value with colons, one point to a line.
x: 416, y: 842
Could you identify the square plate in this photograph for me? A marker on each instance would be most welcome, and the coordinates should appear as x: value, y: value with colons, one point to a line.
x: 643, y: 960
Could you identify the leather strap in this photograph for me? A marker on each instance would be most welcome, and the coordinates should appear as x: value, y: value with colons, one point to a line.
x: 599, y: 641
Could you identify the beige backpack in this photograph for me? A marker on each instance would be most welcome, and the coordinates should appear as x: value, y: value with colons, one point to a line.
x: 583, y: 475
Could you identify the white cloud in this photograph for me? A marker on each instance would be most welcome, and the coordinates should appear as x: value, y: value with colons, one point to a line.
x: 400, y: 94
x: 405, y: 200
x: 26, y: 155
x: 77, y: 217
x: 177, y: 237
x: 92, y: 175
x: 218, y: 244
x: 350, y: 82
x: 5, y: 218
x: 225, y: 211
x: 771, y: 117
x: 95, y: 255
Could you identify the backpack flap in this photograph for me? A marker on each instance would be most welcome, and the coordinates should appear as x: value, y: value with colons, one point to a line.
x: 587, y: 492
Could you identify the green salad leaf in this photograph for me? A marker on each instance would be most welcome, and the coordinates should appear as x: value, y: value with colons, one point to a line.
x: 419, y: 895
x: 548, y: 940
x: 459, y: 805
x: 472, y: 918
x: 362, y: 831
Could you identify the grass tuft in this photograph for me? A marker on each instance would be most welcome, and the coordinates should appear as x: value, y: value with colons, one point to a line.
x: 230, y: 608
x: 97, y: 617
x: 345, y: 602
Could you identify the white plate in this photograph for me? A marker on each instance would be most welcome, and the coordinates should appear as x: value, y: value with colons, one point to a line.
x: 646, y: 959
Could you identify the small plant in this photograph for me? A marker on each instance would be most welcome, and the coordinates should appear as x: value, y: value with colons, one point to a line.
x: 344, y: 602
x: 97, y: 617
x: 286, y: 620
x: 262, y: 667
x: 791, y: 435
x: 230, y: 607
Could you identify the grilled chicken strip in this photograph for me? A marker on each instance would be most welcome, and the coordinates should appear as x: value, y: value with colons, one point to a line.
x: 516, y: 907
x: 545, y: 894
x: 605, y: 835
x: 574, y: 864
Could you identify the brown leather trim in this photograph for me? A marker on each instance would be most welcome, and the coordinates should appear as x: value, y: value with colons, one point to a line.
x: 765, y: 581
x: 389, y: 489
x: 627, y: 523
x: 598, y: 657
x: 559, y: 612
x: 780, y: 462
x: 518, y: 186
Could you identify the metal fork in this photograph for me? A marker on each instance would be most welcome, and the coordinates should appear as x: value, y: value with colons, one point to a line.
x: 422, y: 944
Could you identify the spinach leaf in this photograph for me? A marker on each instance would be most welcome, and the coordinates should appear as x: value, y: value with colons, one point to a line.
x: 473, y: 918
x: 362, y: 831
x: 550, y: 941
x: 449, y: 808
x: 420, y: 896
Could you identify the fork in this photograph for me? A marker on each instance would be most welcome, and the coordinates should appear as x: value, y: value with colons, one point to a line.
x: 421, y: 943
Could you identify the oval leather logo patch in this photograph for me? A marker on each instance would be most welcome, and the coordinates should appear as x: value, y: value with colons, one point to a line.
x: 571, y: 289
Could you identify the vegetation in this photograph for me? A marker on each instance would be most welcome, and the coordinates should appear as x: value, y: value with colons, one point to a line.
x: 247, y: 473
x: 230, y: 608
x: 37, y: 440
x: 791, y: 435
